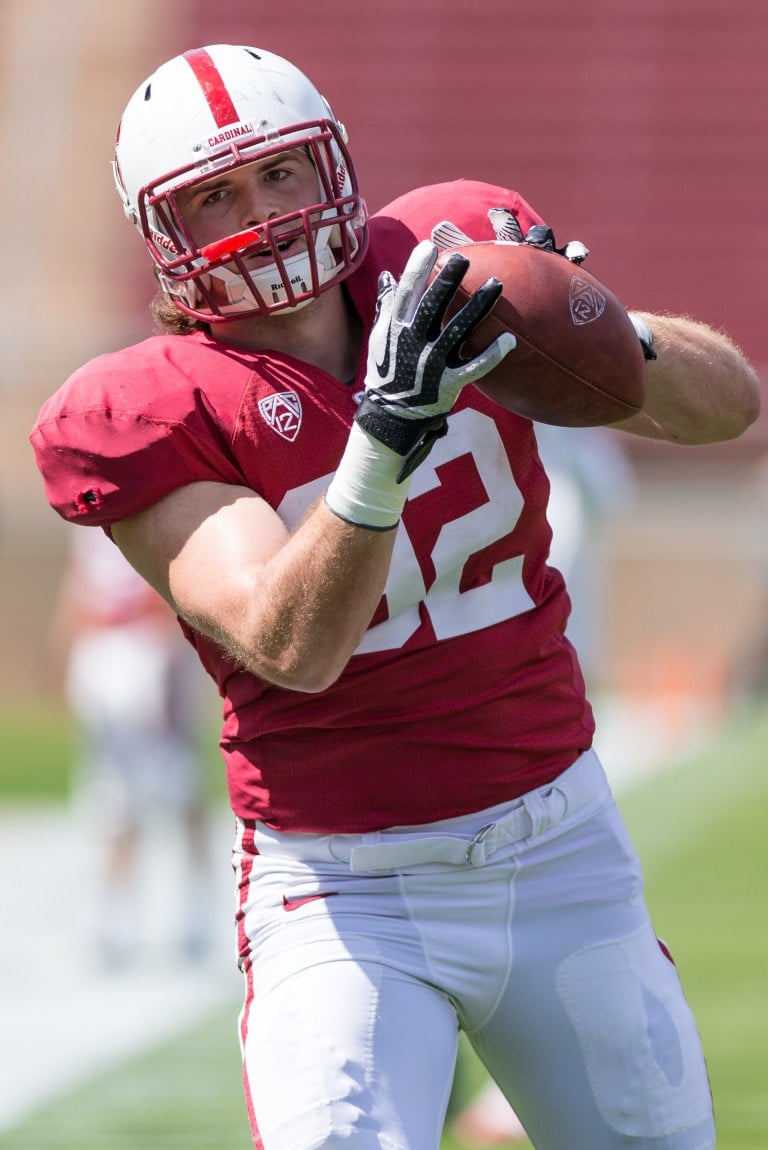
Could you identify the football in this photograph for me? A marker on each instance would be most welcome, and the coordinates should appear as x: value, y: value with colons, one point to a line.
x: 578, y: 360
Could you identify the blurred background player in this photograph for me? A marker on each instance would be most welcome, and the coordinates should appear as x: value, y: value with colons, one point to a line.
x: 134, y: 687
x: 590, y: 479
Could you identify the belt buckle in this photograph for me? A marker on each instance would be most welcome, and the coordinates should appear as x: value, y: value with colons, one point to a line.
x: 477, y: 844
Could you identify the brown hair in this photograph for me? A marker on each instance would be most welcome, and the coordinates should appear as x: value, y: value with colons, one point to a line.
x: 171, y: 318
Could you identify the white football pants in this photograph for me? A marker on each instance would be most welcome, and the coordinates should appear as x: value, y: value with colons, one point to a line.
x: 524, y: 925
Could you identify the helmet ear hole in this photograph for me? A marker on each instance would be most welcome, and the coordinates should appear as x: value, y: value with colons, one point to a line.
x: 207, y: 112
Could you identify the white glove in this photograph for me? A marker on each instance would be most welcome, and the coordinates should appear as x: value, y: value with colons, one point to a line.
x: 644, y: 334
x: 414, y: 372
x: 414, y: 375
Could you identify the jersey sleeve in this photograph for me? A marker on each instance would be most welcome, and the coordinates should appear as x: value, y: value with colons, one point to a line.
x: 467, y: 207
x: 124, y: 431
x: 444, y: 212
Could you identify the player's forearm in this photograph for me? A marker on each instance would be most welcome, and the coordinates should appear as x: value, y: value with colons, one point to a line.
x: 288, y: 607
x: 700, y: 389
x: 313, y: 602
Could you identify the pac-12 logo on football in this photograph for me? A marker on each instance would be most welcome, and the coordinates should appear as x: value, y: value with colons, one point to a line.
x: 587, y: 303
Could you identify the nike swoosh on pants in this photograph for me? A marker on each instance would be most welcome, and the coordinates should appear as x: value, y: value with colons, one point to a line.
x: 295, y: 903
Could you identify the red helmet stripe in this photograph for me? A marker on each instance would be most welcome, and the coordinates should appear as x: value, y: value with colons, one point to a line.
x: 214, y: 88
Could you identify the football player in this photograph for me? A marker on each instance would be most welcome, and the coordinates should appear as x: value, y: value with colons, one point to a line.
x: 355, y: 543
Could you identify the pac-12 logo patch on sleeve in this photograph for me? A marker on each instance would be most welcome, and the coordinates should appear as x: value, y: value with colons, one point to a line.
x: 282, y: 412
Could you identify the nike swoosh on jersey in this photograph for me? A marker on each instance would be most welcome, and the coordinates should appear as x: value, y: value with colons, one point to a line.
x: 295, y: 903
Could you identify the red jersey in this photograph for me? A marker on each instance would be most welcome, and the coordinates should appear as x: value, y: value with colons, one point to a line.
x: 464, y: 692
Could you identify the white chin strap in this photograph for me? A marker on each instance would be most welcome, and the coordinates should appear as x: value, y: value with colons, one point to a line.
x: 269, y: 281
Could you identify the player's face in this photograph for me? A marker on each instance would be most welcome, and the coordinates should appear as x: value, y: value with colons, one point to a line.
x: 248, y: 196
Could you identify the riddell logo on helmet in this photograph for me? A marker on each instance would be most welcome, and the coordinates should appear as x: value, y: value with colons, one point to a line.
x: 297, y: 282
x: 163, y: 241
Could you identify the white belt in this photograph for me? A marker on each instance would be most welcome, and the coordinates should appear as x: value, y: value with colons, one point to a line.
x: 456, y: 850
x: 468, y: 840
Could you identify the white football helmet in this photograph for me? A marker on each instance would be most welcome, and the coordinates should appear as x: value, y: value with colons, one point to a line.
x: 214, y: 109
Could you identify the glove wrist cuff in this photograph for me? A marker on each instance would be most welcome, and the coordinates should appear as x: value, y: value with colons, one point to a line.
x: 401, y: 434
x: 644, y: 334
x: 412, y: 439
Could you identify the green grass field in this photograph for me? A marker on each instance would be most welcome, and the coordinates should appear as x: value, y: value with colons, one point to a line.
x: 700, y: 831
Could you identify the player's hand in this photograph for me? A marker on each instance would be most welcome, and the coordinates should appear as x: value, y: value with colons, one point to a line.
x: 415, y: 371
x: 540, y: 236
